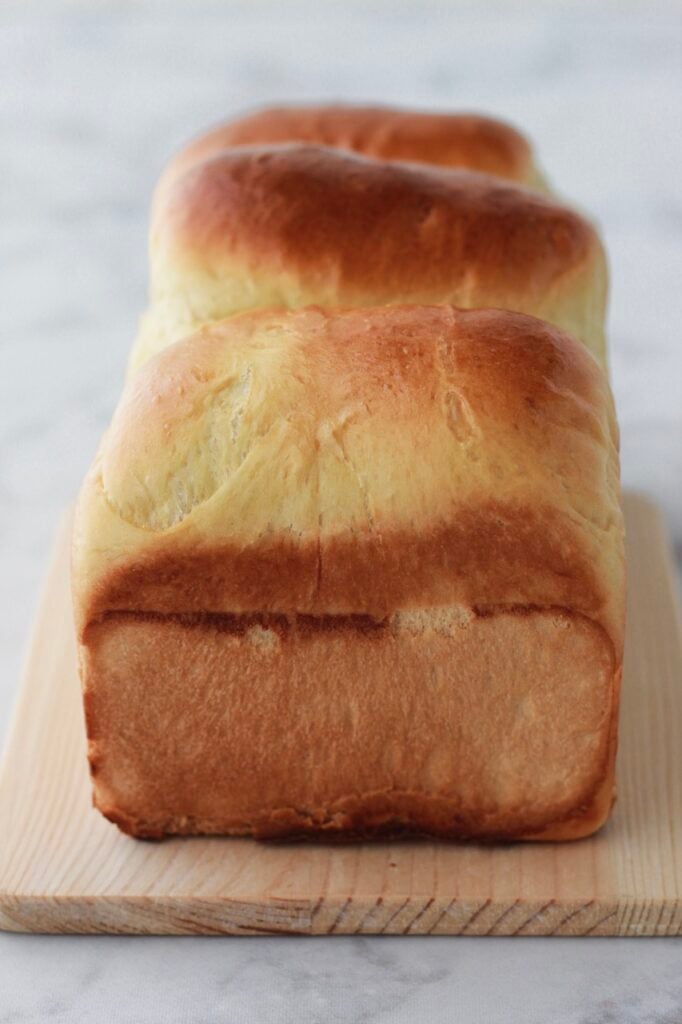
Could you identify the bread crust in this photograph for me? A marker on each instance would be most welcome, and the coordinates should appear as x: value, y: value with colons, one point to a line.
x: 358, y: 462
x: 356, y: 573
x: 384, y: 133
x: 296, y: 225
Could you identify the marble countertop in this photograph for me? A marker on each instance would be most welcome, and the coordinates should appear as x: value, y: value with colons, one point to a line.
x: 93, y: 98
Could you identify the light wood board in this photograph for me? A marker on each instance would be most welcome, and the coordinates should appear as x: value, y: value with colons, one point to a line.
x: 63, y: 868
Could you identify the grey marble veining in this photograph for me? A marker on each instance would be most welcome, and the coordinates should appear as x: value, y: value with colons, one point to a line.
x: 93, y: 98
x: 344, y: 980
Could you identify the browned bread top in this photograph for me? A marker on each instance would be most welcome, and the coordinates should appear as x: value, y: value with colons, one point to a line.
x: 299, y: 225
x: 370, y: 462
x: 385, y: 133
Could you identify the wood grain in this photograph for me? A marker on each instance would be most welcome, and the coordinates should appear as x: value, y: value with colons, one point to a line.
x: 64, y: 869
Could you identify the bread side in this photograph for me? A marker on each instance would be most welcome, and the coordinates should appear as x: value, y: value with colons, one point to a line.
x: 441, y: 723
x: 362, y: 569
x: 294, y: 225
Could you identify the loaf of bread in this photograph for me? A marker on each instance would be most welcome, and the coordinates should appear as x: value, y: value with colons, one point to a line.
x: 384, y: 133
x: 296, y: 225
x: 355, y: 573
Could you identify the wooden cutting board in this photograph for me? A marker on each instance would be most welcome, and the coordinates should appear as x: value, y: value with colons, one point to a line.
x: 64, y: 869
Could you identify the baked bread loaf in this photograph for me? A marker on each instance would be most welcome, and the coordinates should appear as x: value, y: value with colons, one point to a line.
x: 352, y: 574
x: 296, y: 225
x: 384, y: 133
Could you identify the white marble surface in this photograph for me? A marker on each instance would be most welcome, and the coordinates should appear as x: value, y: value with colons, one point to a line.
x: 340, y: 981
x: 92, y: 99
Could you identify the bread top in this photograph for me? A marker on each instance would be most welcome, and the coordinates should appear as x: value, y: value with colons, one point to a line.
x: 384, y: 133
x: 358, y: 463
x: 297, y: 225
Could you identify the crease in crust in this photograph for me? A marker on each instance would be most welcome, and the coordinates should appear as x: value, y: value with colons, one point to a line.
x: 295, y: 625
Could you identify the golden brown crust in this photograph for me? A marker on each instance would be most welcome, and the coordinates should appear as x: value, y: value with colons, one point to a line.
x: 300, y: 205
x: 384, y: 133
x: 358, y: 463
x: 296, y: 225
